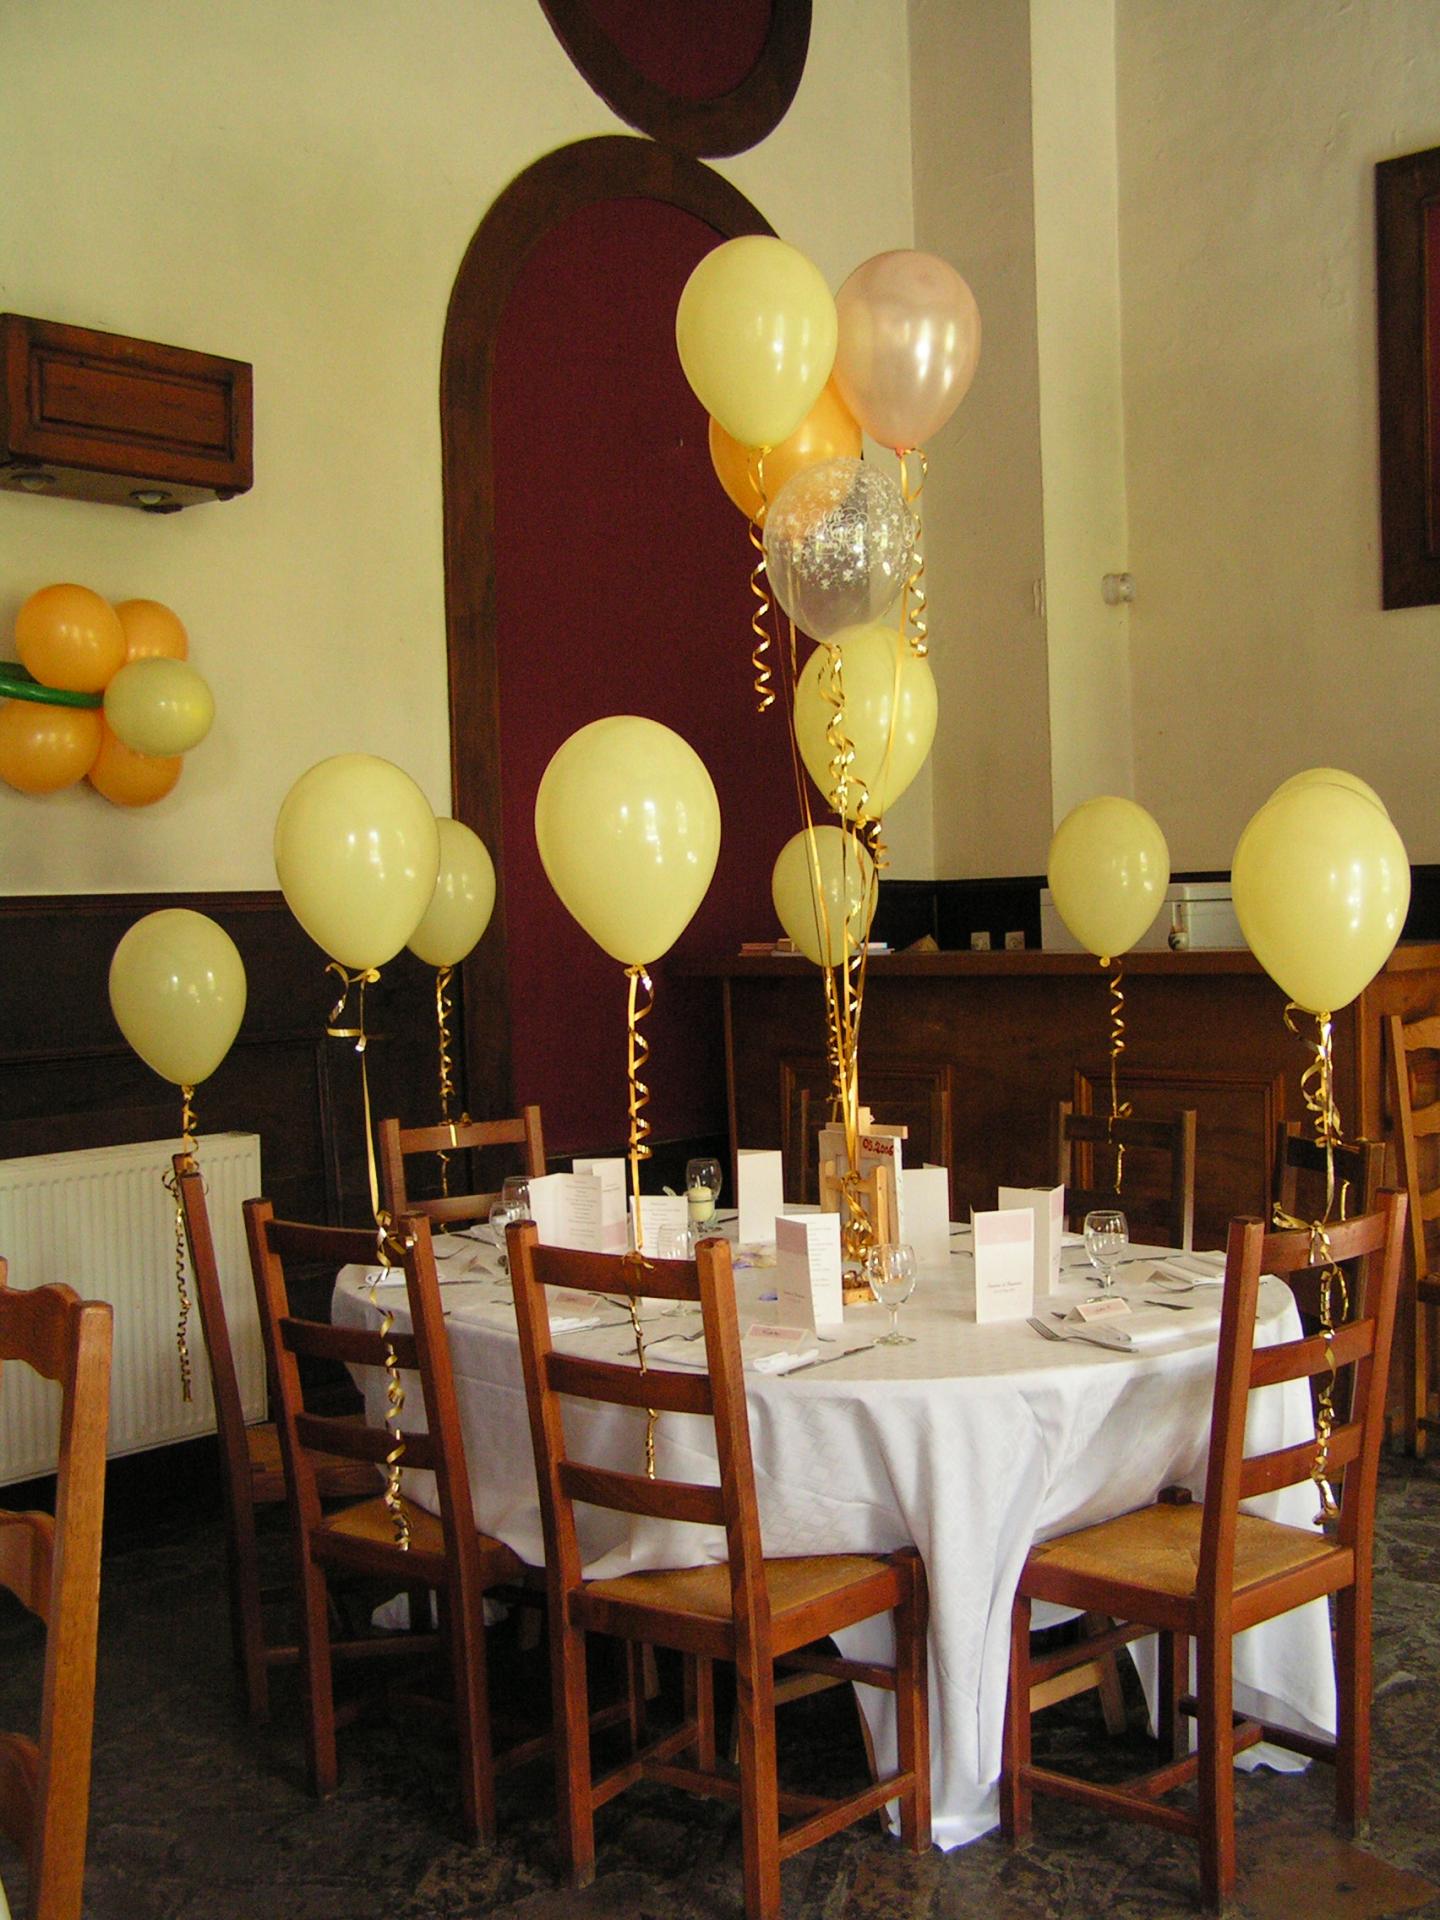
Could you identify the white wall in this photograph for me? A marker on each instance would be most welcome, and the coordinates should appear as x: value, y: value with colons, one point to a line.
x: 293, y: 182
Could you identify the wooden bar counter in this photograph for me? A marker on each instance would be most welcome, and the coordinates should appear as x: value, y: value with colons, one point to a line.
x: 971, y: 1050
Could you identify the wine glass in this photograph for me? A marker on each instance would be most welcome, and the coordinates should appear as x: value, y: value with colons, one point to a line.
x: 1106, y: 1237
x: 702, y: 1194
x: 515, y: 1193
x: 890, y: 1270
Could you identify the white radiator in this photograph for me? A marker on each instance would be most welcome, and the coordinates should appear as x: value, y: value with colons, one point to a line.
x: 103, y: 1222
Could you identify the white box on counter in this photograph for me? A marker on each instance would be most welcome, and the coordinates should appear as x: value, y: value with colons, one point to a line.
x: 1195, y: 913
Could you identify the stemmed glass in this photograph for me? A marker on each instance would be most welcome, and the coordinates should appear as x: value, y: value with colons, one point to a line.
x: 1106, y: 1237
x: 511, y: 1205
x: 702, y: 1194
x: 890, y: 1270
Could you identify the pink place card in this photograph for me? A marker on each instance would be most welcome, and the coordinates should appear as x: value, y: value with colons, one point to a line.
x: 1004, y: 1264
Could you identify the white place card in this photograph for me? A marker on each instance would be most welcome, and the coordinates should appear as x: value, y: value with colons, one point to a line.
x: 1004, y: 1264
x: 927, y: 1212
x: 760, y: 1194
x: 661, y: 1215
x: 1048, y: 1206
x: 566, y: 1208
x: 808, y: 1287
x: 614, y: 1220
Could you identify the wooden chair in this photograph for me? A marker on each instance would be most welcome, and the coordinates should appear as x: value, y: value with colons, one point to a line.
x: 251, y: 1473
x: 1414, y: 1074
x: 445, y: 1552
x: 1203, y: 1573
x: 1302, y: 1188
x: 752, y: 1612
x: 52, y: 1566
x: 396, y: 1142
x: 1173, y: 1220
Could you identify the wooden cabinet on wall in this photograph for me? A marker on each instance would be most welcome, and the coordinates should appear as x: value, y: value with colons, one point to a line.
x: 971, y: 1050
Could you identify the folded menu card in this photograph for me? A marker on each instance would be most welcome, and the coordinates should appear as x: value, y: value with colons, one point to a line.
x: 760, y: 1189
x: 1004, y: 1264
x: 614, y: 1228
x: 567, y: 1210
x: 927, y: 1212
x: 1048, y: 1206
x: 662, y: 1217
x: 807, y: 1269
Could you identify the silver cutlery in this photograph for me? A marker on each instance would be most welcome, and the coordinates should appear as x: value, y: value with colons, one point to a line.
x: 1067, y: 1339
x: 825, y: 1359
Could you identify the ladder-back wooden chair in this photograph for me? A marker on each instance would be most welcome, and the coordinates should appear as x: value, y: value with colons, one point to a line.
x: 52, y: 1566
x: 1201, y: 1573
x: 444, y: 1552
x: 252, y: 1475
x: 1306, y: 1188
x: 750, y: 1611
x: 397, y: 1143
x: 1413, y: 1048
x: 1076, y: 1136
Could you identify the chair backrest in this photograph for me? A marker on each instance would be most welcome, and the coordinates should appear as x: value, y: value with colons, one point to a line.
x: 1414, y: 1071
x: 1304, y: 1169
x: 461, y: 1137
x: 1369, y: 1250
x: 52, y: 1565
x: 430, y: 1418
x: 718, y: 1395
x: 1173, y: 1212
x: 224, y: 1380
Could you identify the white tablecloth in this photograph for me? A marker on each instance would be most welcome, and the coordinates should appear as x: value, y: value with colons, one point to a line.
x: 971, y: 1443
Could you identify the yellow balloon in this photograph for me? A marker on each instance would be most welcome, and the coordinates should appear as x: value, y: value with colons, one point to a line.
x: 1330, y: 776
x: 159, y: 706
x: 356, y: 853
x: 177, y: 990
x: 828, y: 432
x: 628, y: 828
x: 1321, y: 882
x: 823, y: 886
x: 880, y: 678
x: 1109, y: 868
x: 463, y: 900
x: 756, y: 331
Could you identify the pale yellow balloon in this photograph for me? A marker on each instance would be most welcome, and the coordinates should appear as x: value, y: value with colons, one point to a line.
x: 628, y: 827
x: 1330, y: 776
x: 756, y: 331
x: 356, y: 854
x: 1109, y: 868
x: 177, y: 990
x: 823, y: 886
x: 159, y: 706
x: 463, y: 900
x: 1321, y: 882
x: 889, y: 715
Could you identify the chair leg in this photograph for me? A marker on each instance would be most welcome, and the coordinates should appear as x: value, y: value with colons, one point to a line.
x: 759, y: 1787
x: 1353, y: 1686
x: 1173, y: 1676
x: 1015, y: 1795
x: 1112, y: 1698
x: 317, y: 1679
x: 247, y: 1613
x: 700, y: 1707
x: 570, y: 1710
x: 635, y: 1691
x: 465, y: 1630
x: 912, y: 1712
x: 1214, y: 1693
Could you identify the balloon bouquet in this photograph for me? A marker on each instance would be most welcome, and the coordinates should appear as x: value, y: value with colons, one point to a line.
x: 792, y: 379
x: 102, y: 693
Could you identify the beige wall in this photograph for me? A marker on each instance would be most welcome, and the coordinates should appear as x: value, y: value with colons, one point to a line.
x: 293, y: 182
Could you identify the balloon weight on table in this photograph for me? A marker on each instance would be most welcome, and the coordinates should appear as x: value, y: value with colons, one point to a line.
x: 42, y: 748
x: 755, y: 330
x: 69, y: 637
x: 828, y: 432
x: 177, y: 990
x: 159, y: 706
x: 356, y: 853
x: 1321, y: 882
x: 889, y: 716
x: 628, y: 828
x: 908, y: 346
x: 1108, y: 871
x: 463, y: 900
x: 839, y: 540
x: 824, y: 893
x: 129, y: 779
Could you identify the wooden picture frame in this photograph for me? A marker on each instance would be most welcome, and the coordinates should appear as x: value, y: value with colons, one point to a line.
x: 1407, y: 235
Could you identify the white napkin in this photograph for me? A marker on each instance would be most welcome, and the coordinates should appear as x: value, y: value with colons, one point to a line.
x: 1145, y: 1328
x: 1194, y: 1269
x: 674, y: 1350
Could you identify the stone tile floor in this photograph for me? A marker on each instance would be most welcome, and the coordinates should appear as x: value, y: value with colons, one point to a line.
x: 197, y: 1817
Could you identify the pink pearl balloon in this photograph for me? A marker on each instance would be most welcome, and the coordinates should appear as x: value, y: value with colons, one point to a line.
x: 909, y: 343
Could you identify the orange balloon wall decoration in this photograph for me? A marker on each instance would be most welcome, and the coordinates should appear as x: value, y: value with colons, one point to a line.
x: 43, y: 748
x: 130, y: 779
x: 69, y: 637
x: 152, y: 631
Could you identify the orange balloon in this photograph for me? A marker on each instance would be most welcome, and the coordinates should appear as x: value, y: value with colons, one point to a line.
x: 44, y: 748
x: 131, y: 779
x: 68, y: 637
x: 152, y: 632
x: 827, y: 432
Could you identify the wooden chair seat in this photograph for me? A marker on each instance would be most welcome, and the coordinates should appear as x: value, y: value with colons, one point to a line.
x: 339, y: 1479
x: 701, y: 1600
x: 364, y: 1535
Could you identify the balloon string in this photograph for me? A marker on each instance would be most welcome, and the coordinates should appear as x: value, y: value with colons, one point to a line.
x: 759, y: 658
x: 637, y: 1052
x: 385, y: 1243
x: 913, y: 598
x: 1119, y: 1109
x: 189, y: 1164
x: 447, y: 1083
x: 849, y: 800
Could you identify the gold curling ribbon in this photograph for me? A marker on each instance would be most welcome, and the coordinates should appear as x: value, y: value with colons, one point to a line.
x: 1119, y: 1109
x: 446, y: 1069
x: 1317, y: 1086
x: 637, y: 1052
x: 913, y: 598
x: 759, y: 575
x: 386, y: 1245
x: 182, y: 1289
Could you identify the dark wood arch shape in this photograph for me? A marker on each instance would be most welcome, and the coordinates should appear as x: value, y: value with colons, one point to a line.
x: 614, y: 166
x: 728, y: 123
